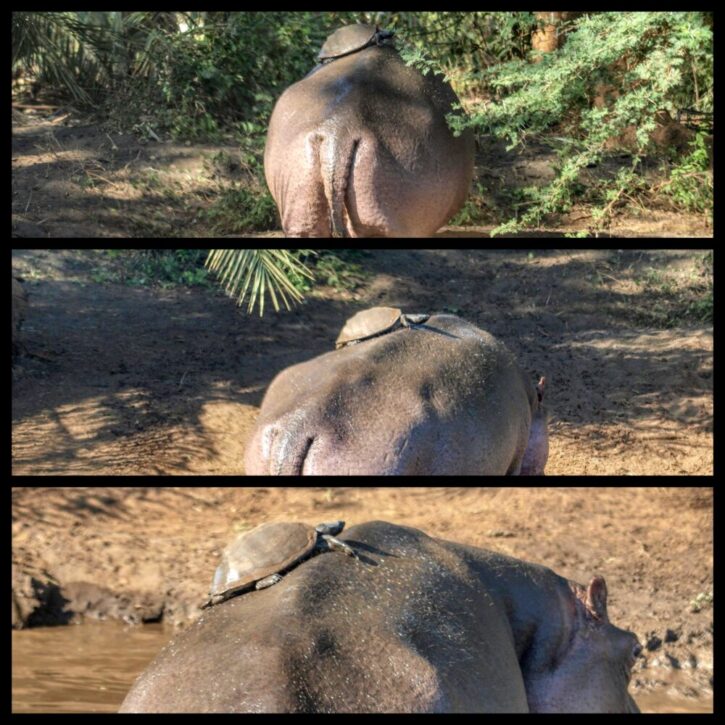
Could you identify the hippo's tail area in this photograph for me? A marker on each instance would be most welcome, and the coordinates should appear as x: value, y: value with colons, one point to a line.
x: 279, y: 449
x: 336, y: 159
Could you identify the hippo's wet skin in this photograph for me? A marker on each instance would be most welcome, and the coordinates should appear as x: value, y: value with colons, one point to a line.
x: 440, y: 398
x: 415, y: 624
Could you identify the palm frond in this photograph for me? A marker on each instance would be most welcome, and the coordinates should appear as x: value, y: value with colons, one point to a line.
x: 255, y: 272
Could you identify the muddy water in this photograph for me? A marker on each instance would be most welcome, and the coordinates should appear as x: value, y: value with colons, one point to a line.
x: 89, y: 668
x: 85, y: 668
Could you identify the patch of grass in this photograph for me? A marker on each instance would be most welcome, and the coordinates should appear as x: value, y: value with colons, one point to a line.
x: 147, y: 267
x: 243, y: 208
x: 341, y: 269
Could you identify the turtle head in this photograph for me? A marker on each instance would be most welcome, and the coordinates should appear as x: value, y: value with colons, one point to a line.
x: 353, y: 38
x: 382, y: 35
x: 330, y: 528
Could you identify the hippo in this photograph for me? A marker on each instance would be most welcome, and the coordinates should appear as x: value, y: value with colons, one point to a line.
x: 360, y: 147
x: 439, y: 398
x: 413, y: 624
x: 19, y: 308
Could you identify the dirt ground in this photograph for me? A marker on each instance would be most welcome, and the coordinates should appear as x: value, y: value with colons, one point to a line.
x: 116, y: 379
x: 73, y: 178
x: 147, y: 554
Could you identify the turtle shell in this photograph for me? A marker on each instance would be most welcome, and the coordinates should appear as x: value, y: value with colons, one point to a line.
x: 255, y: 554
x: 347, y: 40
x: 369, y: 323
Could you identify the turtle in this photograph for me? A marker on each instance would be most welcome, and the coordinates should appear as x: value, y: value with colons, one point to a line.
x: 375, y: 322
x: 257, y: 559
x: 352, y: 38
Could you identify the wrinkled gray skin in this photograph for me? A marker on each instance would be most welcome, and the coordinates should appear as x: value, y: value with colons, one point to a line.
x: 440, y: 398
x: 415, y: 625
x: 360, y: 147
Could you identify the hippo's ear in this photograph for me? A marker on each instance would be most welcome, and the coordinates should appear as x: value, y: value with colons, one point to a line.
x: 591, y: 603
x: 596, y: 599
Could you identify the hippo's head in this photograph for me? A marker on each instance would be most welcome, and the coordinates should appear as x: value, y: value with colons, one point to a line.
x: 591, y: 660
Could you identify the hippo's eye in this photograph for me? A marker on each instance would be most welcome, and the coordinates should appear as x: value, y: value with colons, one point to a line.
x: 635, y: 652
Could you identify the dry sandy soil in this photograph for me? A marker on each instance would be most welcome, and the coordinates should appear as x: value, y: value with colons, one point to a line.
x: 73, y: 177
x: 117, y: 379
x: 146, y: 554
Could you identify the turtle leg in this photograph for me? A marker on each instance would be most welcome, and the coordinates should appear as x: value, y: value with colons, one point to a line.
x: 334, y: 544
x: 268, y: 581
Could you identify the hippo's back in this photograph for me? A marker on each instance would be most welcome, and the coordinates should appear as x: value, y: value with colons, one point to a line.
x: 443, y: 398
x: 392, y: 631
